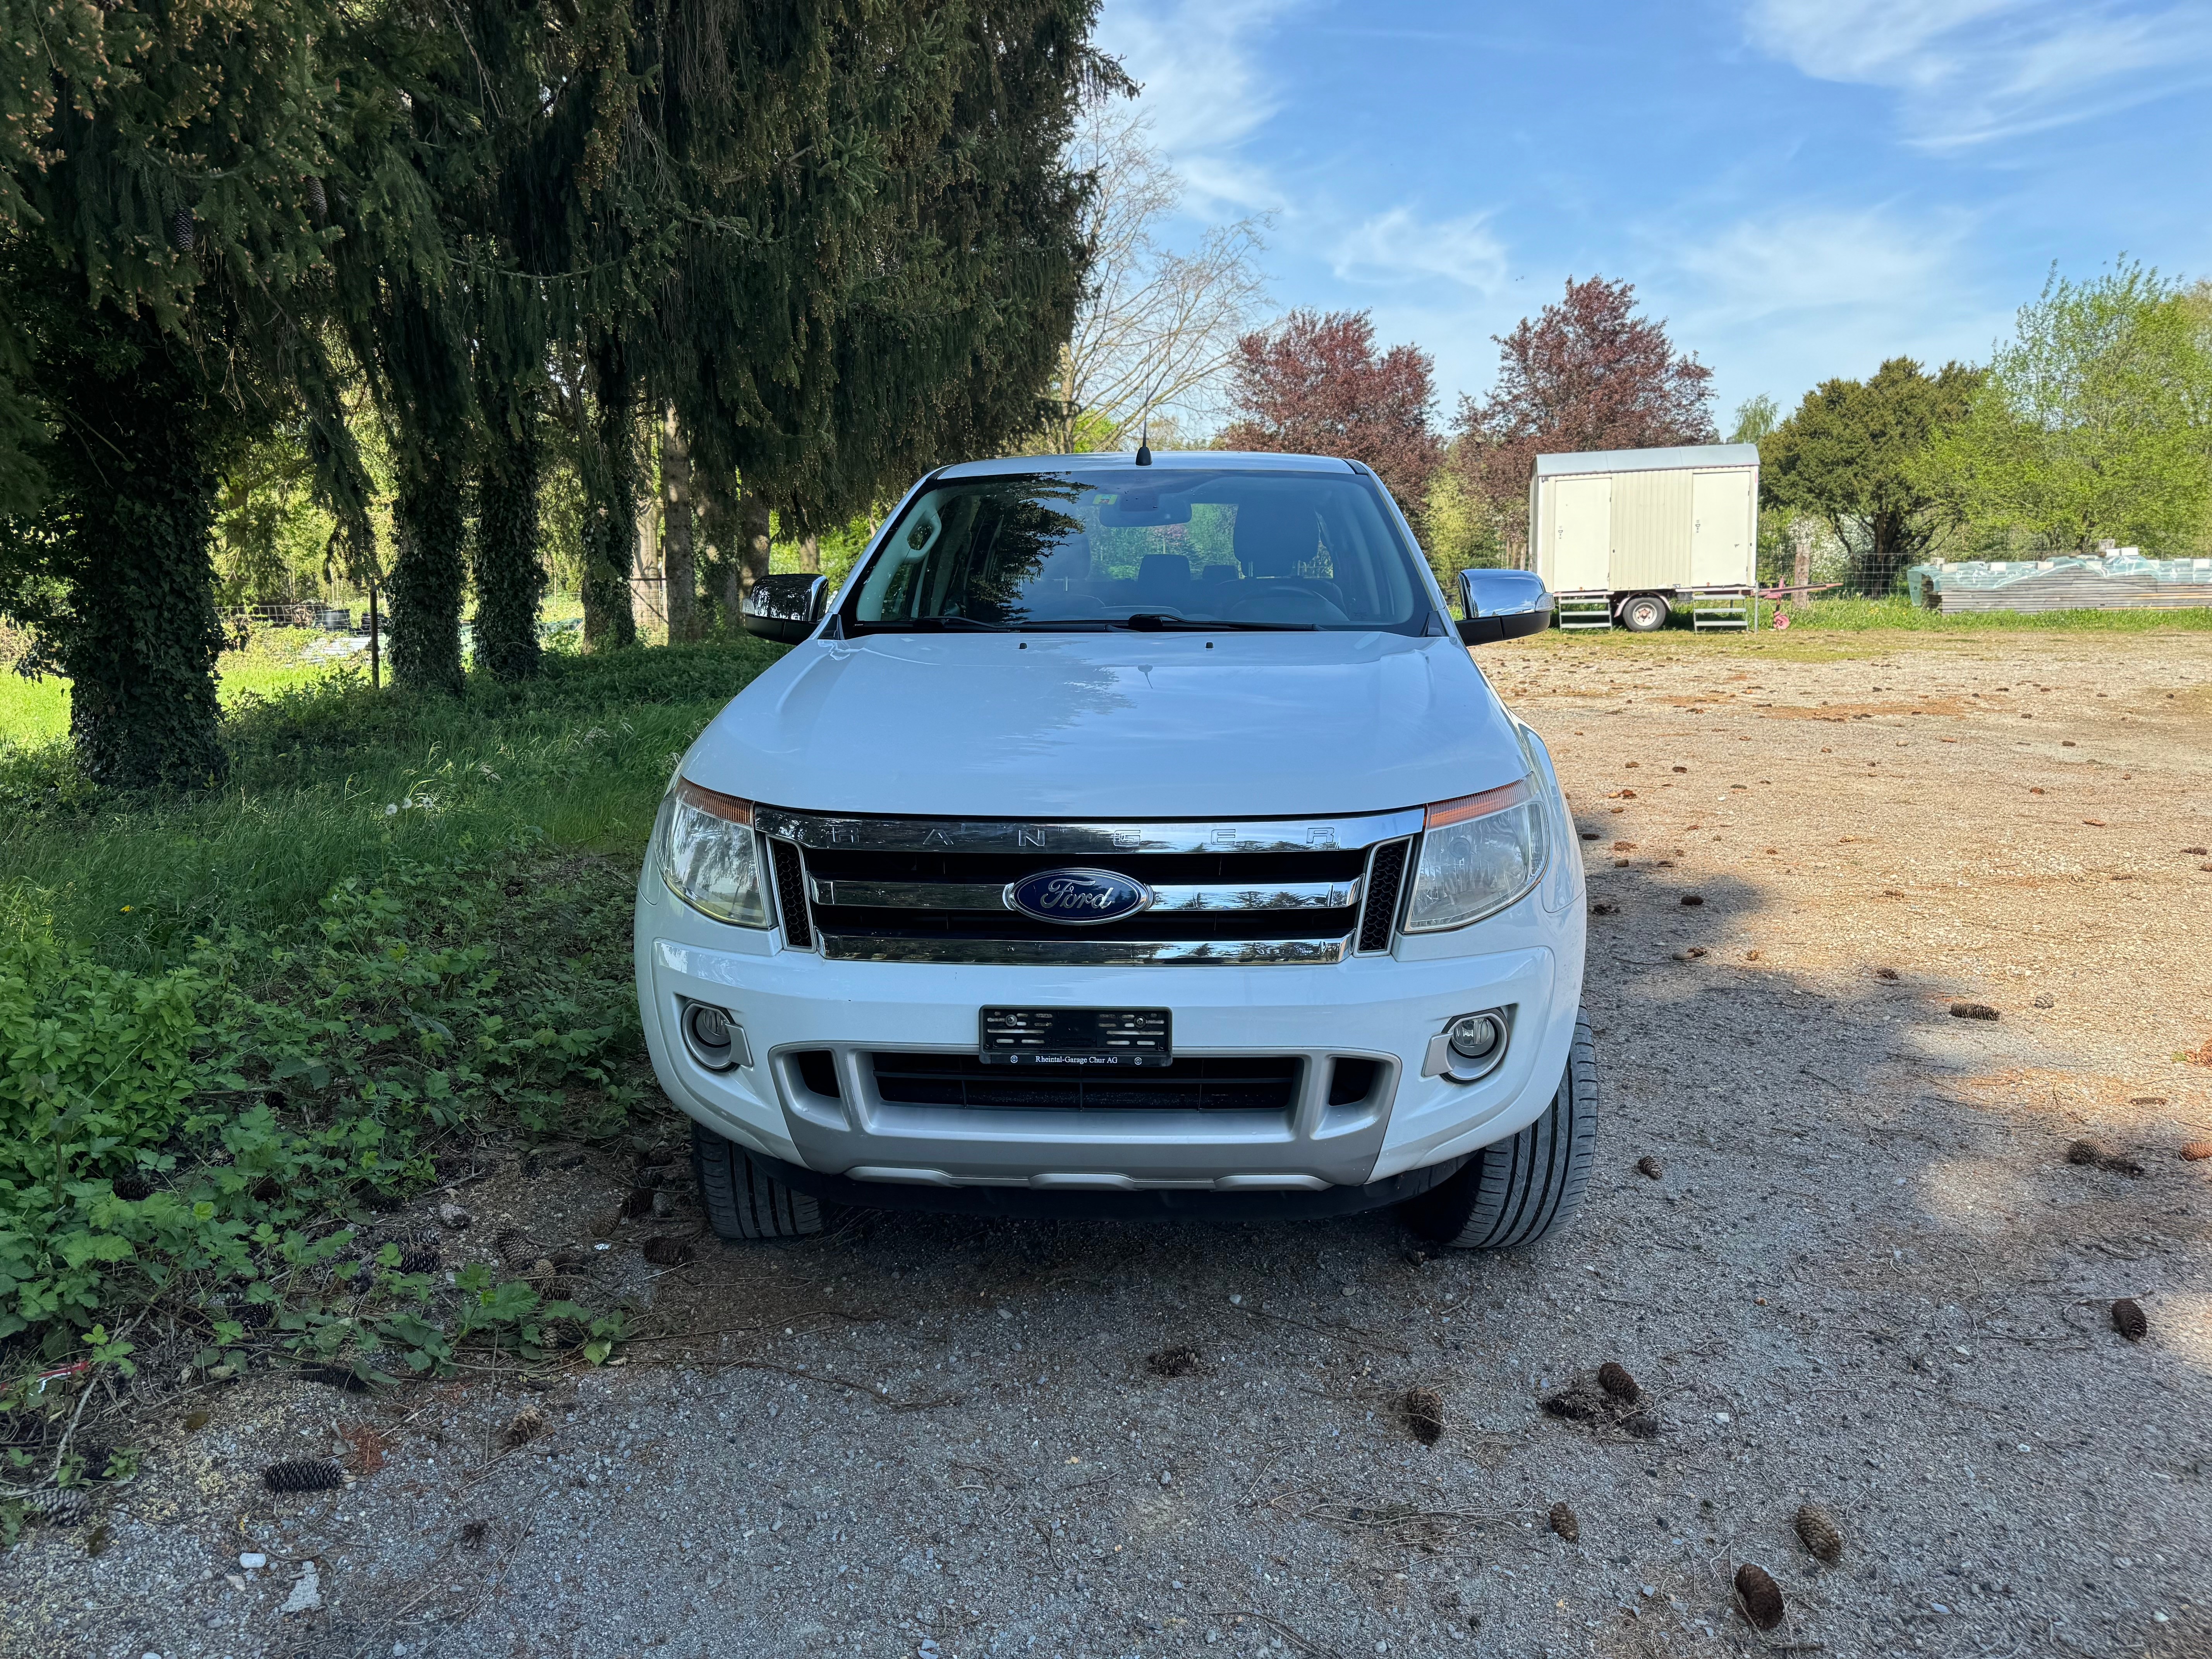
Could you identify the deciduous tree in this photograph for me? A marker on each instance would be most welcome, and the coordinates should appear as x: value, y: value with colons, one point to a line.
x: 1852, y: 454
x: 1158, y: 327
x: 1585, y: 374
x: 1315, y: 384
x: 2094, y: 421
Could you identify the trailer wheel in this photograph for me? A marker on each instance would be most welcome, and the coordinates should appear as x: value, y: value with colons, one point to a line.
x: 1527, y: 1187
x: 1645, y: 614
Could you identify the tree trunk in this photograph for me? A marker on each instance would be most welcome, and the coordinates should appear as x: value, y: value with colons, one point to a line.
x: 509, y: 578
x: 427, y: 578
x: 810, y: 555
x: 677, y: 559
x: 611, y: 505
x: 753, y: 540
x: 140, y: 637
x: 647, y: 606
x: 715, y: 552
x: 1801, y: 541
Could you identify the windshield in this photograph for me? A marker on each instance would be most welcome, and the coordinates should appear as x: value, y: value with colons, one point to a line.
x: 1218, y: 549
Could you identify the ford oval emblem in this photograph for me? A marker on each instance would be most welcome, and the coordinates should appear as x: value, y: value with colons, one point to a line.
x: 1080, y: 897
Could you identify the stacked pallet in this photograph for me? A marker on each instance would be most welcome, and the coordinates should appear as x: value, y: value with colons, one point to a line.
x: 2125, y: 582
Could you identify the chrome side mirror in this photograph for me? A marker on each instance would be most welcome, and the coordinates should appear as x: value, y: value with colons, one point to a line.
x: 785, y: 608
x: 1502, y: 604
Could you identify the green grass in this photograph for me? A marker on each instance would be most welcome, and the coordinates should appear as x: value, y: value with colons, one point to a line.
x: 330, y: 780
x: 1859, y: 616
x: 272, y: 661
x: 1846, y: 628
x: 236, y: 1028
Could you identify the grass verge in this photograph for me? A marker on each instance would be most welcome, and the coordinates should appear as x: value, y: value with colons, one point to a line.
x: 237, y: 1032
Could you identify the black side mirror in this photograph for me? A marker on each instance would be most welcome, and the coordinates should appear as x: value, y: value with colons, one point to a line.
x: 1502, y: 604
x: 785, y: 609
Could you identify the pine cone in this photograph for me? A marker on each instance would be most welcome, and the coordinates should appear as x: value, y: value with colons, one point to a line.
x: 1759, y: 1597
x: 1613, y: 1378
x: 638, y: 1203
x: 1425, y: 1414
x: 1649, y: 1166
x: 418, y: 1262
x: 2128, y: 1319
x: 1817, y: 1532
x: 181, y: 230
x: 1565, y: 1523
x: 304, y: 1474
x: 667, y: 1251
x: 63, y: 1506
x: 525, y: 1426
x: 316, y: 199
x: 133, y: 1186
x: 514, y: 1246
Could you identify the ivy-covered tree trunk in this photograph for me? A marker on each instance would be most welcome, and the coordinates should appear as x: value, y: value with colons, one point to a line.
x: 610, y: 507
x: 509, y: 578
x: 679, y: 562
x: 753, y: 538
x: 137, y: 633
x: 424, y: 587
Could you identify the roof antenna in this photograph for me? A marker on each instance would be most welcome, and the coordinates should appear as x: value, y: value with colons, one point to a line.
x: 1145, y: 441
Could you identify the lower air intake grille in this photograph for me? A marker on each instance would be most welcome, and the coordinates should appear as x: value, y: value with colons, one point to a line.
x: 1386, y: 875
x: 791, y: 895
x: 1265, y: 1083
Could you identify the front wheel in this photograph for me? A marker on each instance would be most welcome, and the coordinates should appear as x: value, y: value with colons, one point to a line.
x: 1527, y: 1187
x: 1645, y: 614
x: 742, y: 1201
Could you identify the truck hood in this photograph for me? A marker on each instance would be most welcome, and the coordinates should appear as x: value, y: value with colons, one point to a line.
x: 1111, y: 726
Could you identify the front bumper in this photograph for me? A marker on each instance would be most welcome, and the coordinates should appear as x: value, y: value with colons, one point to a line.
x: 1384, y: 1009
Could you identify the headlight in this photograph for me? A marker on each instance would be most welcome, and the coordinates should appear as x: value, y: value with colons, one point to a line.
x: 1479, y: 854
x: 707, y: 854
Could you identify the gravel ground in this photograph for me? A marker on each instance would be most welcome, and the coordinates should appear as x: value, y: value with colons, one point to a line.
x: 1865, y: 1275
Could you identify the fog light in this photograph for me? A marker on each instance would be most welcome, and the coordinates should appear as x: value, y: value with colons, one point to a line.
x: 1470, y: 1046
x: 1475, y: 1037
x: 716, y: 1040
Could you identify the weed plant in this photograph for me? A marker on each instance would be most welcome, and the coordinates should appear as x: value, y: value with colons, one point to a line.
x: 237, y: 1031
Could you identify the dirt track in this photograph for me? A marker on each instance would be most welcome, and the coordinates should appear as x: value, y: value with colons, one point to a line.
x: 1868, y: 1277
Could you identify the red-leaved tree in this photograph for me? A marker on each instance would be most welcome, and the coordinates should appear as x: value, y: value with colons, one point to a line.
x: 1315, y: 385
x: 1586, y: 373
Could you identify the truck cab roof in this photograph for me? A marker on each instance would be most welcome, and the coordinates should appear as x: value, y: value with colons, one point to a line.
x: 1245, y: 459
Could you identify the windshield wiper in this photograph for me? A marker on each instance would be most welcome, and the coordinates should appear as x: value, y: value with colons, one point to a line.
x: 952, y: 624
x: 1151, y: 621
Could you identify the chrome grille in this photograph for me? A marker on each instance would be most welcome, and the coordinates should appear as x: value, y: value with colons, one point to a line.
x: 935, y: 889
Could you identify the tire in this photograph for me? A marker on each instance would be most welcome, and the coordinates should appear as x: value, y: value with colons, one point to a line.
x: 741, y: 1199
x: 1645, y: 614
x: 1524, y: 1189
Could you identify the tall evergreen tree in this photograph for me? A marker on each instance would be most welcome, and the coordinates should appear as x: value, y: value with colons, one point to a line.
x: 163, y: 223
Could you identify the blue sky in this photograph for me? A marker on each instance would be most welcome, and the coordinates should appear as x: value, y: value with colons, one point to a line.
x: 1801, y: 187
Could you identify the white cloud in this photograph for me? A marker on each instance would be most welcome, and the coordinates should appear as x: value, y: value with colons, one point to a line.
x: 1968, y: 71
x: 1780, y: 302
x: 1203, y: 89
x: 1395, y: 248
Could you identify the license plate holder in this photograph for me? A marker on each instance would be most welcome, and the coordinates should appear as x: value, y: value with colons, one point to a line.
x: 1076, y: 1037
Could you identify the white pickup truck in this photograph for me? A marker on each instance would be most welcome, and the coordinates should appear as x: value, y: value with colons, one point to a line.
x: 1126, y: 836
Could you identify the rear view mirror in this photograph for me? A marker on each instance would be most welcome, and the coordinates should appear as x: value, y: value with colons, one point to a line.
x: 1502, y: 604
x: 1140, y: 509
x: 785, y: 608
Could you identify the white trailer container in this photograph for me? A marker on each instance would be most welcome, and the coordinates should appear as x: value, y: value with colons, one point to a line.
x: 1630, y: 535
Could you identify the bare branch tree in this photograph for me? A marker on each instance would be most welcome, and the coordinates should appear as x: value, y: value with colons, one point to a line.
x: 1157, y: 329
